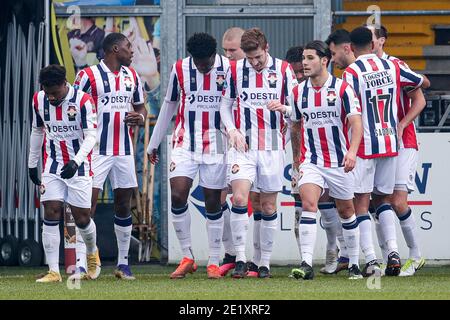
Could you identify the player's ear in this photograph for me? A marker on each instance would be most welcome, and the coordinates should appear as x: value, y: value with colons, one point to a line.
x: 115, y: 48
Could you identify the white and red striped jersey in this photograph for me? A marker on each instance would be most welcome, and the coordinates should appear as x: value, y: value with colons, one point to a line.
x: 114, y: 94
x: 64, y: 125
x: 253, y: 90
x: 378, y: 84
x: 323, y: 112
x: 198, y: 127
x: 409, y: 138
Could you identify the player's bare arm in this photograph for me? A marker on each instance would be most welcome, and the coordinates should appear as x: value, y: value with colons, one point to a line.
x: 417, y: 105
x: 136, y: 117
x: 356, y: 127
x: 296, y: 139
x: 236, y: 139
x: 165, y: 115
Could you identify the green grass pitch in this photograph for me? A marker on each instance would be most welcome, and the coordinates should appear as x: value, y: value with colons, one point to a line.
x: 153, y: 283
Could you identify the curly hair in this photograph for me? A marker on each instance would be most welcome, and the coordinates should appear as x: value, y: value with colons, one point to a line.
x: 294, y: 54
x: 52, y: 75
x: 111, y: 40
x: 201, y: 45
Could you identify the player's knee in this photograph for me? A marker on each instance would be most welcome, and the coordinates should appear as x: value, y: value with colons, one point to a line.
x: 309, y: 205
x: 179, y: 199
x: 346, y: 211
x: 82, y: 221
x: 399, y: 205
x: 240, y: 200
x: 267, y: 208
x: 122, y: 208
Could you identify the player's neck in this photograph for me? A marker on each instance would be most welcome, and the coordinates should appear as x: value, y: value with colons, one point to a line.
x: 362, y: 53
x: 112, y: 64
x: 319, y: 80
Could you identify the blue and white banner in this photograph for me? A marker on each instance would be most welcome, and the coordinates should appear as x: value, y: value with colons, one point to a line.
x: 430, y: 204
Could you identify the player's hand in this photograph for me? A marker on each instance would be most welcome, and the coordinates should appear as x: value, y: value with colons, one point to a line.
x: 134, y: 118
x: 400, y: 129
x: 284, y: 129
x: 69, y: 170
x: 153, y: 157
x: 349, y: 161
x: 237, y: 140
x: 276, y: 105
x: 296, y: 165
x: 33, y: 173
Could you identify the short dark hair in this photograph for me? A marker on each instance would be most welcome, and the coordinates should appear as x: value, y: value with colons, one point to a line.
x: 294, y: 54
x: 380, y: 31
x: 252, y: 39
x: 201, y: 45
x: 338, y: 37
x: 321, y: 49
x: 361, y: 37
x: 111, y: 40
x: 52, y: 75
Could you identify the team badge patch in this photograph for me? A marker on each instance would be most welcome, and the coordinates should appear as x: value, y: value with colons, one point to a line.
x: 128, y: 83
x: 172, y: 166
x: 235, y: 169
x: 41, y: 189
x: 331, y: 97
x: 77, y: 81
x: 220, y: 79
x: 294, y: 182
x: 71, y: 112
x: 272, y: 78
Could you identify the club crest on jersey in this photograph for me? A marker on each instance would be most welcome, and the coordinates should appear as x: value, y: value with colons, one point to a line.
x: 331, y: 97
x: 41, y: 189
x: 127, y: 82
x: 220, y: 79
x: 294, y: 182
x: 235, y: 169
x: 77, y: 81
x: 172, y: 166
x: 71, y: 112
x: 272, y: 78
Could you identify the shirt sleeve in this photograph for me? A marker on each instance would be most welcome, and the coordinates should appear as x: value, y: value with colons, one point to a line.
x: 138, y: 94
x: 350, y: 101
x: 293, y: 102
x: 82, y: 82
x: 230, y: 90
x: 88, y: 113
x: 409, y: 80
x: 173, y: 88
x: 37, y: 120
x: 351, y: 78
x: 290, y: 82
x: 37, y: 135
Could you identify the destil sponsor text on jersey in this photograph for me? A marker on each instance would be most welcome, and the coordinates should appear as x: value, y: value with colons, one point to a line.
x: 63, y: 128
x: 117, y: 99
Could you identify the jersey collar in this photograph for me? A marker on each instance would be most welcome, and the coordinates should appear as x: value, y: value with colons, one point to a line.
x: 105, y: 67
x: 326, y: 84
x: 268, y: 64
x: 367, y: 56
x: 215, y: 66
